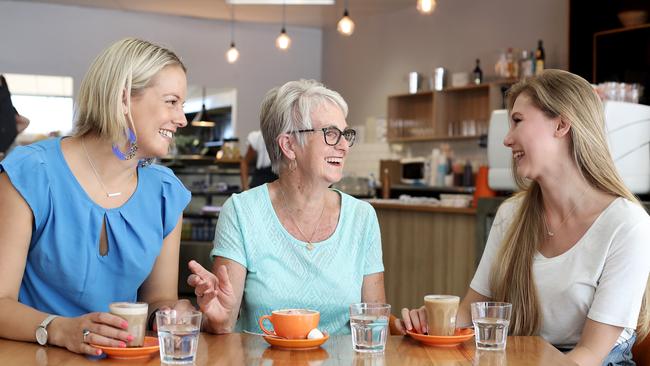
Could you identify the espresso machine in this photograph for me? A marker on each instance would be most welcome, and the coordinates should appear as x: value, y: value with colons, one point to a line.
x: 628, y: 134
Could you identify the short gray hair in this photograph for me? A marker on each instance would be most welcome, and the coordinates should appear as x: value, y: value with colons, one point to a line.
x: 288, y: 108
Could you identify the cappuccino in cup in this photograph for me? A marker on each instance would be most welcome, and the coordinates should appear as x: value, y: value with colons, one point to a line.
x: 135, y: 315
x: 291, y: 323
x: 441, y: 314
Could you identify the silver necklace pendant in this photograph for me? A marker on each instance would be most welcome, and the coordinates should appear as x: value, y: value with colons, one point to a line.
x: 115, y: 194
x: 309, y: 246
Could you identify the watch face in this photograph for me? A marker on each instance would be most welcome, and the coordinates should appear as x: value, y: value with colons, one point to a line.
x: 41, y: 336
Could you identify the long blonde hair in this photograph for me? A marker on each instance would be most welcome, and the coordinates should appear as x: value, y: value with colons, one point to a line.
x: 555, y: 93
x: 127, y: 65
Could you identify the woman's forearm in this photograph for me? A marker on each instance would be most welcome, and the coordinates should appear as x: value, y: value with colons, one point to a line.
x: 217, y: 326
x: 18, y: 321
x: 583, y: 356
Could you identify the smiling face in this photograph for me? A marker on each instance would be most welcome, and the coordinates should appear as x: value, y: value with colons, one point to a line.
x: 318, y: 160
x: 158, y: 112
x: 532, y: 138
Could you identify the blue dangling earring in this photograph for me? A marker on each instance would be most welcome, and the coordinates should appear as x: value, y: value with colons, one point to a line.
x: 130, y: 152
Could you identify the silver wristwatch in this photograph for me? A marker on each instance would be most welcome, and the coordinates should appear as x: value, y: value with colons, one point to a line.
x: 41, y: 331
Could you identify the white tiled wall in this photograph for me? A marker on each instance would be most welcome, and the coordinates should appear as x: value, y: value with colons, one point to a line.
x: 363, y: 159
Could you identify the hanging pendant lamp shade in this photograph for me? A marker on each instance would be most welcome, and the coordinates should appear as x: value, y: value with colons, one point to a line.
x: 232, y: 55
x: 426, y: 6
x: 202, y: 119
x: 283, y: 41
x: 345, y: 26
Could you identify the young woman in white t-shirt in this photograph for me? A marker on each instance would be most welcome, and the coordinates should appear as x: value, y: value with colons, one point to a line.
x: 570, y: 251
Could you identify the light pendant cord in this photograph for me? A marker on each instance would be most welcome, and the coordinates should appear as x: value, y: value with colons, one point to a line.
x: 232, y: 25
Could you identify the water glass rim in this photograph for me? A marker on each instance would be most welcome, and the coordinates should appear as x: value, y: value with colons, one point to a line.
x: 492, y: 304
x: 369, y: 305
x: 188, y: 313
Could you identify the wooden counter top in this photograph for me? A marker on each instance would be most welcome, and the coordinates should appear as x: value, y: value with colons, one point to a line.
x: 396, y: 205
x: 243, y: 349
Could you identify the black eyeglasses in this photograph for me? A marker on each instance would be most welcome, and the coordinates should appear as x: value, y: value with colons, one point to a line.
x: 332, y: 135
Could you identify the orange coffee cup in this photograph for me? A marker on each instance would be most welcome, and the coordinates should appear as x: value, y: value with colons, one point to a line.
x: 291, y: 323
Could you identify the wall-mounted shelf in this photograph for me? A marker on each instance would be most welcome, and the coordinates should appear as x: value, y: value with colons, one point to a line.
x: 435, y: 138
x: 456, y: 113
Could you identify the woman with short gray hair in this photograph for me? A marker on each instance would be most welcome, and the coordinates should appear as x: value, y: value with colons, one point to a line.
x: 294, y: 243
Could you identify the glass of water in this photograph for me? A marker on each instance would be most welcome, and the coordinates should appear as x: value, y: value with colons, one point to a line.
x: 369, y: 326
x: 491, y: 321
x: 178, y: 335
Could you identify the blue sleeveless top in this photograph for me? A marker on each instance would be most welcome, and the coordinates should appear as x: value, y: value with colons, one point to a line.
x: 64, y: 273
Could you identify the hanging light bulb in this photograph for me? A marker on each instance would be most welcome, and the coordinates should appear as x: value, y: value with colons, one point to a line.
x: 232, y: 55
x: 426, y: 6
x: 345, y: 26
x: 283, y: 41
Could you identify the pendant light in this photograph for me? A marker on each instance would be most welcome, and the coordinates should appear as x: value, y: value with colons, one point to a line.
x: 283, y: 41
x: 202, y: 119
x: 345, y: 25
x: 426, y: 6
x: 232, y: 55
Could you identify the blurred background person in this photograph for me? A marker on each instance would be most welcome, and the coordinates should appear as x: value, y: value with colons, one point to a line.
x: 11, y: 122
x: 256, y: 152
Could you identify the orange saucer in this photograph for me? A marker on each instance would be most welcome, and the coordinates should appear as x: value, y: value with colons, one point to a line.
x: 459, y: 337
x: 150, y: 347
x: 296, y: 344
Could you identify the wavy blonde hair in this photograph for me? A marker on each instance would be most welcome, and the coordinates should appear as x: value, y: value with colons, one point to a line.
x: 129, y: 64
x: 555, y: 93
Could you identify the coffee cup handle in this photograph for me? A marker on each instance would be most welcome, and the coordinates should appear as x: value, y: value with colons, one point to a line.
x: 261, y: 323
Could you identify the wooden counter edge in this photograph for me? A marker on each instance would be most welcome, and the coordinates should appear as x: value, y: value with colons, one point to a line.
x: 423, y: 208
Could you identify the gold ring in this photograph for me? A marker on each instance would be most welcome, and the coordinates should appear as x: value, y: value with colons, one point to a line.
x: 85, y: 333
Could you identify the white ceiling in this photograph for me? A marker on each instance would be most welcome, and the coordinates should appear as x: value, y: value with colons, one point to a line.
x: 302, y: 15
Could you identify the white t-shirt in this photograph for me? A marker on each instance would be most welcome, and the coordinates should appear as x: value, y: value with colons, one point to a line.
x: 602, y: 277
x: 256, y: 141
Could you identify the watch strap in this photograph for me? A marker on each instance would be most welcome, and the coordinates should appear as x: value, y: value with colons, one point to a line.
x: 47, y: 321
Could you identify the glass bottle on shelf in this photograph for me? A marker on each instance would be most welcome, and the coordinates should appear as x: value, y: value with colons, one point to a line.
x: 526, y: 62
x: 512, y: 65
x: 478, y: 73
x: 540, y: 58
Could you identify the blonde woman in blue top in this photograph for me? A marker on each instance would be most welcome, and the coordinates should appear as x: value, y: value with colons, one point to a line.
x: 82, y: 222
x: 294, y: 243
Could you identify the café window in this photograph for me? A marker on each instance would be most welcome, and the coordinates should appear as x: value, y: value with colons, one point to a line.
x: 46, y: 100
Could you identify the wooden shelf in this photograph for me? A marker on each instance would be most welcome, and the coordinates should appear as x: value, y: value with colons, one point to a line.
x: 622, y: 30
x: 411, y: 95
x: 441, y: 115
x: 435, y: 138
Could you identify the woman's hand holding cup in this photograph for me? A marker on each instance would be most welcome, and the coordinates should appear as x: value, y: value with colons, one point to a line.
x: 103, y: 329
x: 214, y: 294
x: 413, y: 320
x: 437, y: 317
